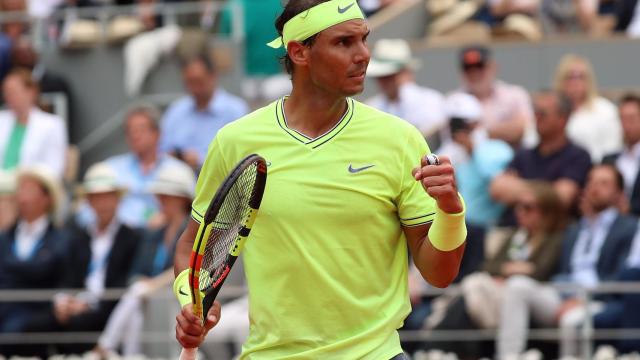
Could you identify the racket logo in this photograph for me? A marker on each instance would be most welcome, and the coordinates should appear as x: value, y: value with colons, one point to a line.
x: 222, y: 276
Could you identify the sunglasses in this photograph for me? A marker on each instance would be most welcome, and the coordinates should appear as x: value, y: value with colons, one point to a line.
x: 576, y: 75
x: 474, y: 66
x: 526, y: 206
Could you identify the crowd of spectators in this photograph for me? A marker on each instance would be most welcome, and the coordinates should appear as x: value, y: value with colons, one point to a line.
x: 551, y: 181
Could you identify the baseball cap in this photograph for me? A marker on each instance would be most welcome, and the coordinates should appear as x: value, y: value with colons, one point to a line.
x: 474, y: 56
x: 463, y: 106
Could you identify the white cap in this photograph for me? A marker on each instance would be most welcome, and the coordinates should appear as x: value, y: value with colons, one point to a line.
x: 7, y: 182
x: 463, y: 106
x: 389, y: 57
x: 176, y: 179
x: 101, y: 178
x: 45, y: 176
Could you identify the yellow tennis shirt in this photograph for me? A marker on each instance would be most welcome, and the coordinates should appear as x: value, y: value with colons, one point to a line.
x: 326, y: 261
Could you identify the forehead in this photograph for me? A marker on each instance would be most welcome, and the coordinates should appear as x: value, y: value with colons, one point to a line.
x: 602, y: 173
x: 356, y: 27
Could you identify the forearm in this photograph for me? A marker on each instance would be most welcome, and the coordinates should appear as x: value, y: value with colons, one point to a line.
x: 439, y: 268
x: 510, y: 131
x: 184, y: 246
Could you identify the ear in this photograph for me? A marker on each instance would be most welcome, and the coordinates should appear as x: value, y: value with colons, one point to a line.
x: 298, y: 53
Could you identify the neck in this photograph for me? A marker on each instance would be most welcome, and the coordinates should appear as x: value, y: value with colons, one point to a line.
x: 103, y: 223
x: 203, y: 103
x: 22, y: 116
x: 31, y: 218
x: 552, y: 144
x: 312, y: 111
x: 148, y: 158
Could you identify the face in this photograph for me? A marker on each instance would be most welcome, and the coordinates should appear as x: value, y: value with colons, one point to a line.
x: 528, y: 212
x: 478, y: 78
x: 549, y: 122
x: 173, y: 206
x: 389, y: 86
x: 142, y: 136
x: 104, y: 205
x: 198, y: 81
x: 630, y: 118
x: 32, y: 199
x: 601, y: 190
x: 575, y: 84
x: 24, y: 55
x: 17, y: 95
x: 338, y: 59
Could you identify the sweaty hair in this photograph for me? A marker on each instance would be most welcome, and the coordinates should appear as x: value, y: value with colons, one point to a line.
x: 293, y: 8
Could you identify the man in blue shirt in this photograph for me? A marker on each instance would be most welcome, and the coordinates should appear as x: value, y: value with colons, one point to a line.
x: 191, y: 122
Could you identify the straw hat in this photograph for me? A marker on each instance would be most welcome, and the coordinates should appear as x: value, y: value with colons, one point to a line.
x: 123, y: 27
x: 49, y: 181
x: 523, y: 26
x: 174, y: 178
x: 101, y: 178
x: 455, y: 17
x: 439, y: 7
x: 389, y: 57
x: 7, y: 182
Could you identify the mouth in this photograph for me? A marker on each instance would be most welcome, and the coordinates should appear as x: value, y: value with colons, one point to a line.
x: 359, y: 75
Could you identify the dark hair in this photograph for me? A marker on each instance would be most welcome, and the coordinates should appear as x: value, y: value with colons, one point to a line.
x: 630, y: 98
x: 293, y: 8
x: 616, y: 173
x: 563, y: 103
x: 553, y: 212
x: 201, y: 58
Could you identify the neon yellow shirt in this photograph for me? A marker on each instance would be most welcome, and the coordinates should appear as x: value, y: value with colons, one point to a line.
x: 326, y: 261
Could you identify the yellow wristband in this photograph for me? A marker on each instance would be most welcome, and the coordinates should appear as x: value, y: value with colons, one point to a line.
x: 181, y: 288
x: 448, y: 231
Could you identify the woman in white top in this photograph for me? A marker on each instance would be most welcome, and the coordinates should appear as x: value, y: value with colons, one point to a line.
x: 594, y: 123
x: 28, y: 135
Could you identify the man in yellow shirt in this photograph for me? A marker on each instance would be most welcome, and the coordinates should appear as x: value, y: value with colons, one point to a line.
x: 349, y: 188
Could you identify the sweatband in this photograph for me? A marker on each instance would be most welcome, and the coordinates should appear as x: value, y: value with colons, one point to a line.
x: 318, y: 18
x: 448, y: 231
x: 181, y: 288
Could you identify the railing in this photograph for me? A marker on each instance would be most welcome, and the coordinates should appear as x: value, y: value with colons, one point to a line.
x: 587, y: 334
x: 103, y: 14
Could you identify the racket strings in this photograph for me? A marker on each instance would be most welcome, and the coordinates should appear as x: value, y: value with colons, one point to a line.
x: 225, y: 227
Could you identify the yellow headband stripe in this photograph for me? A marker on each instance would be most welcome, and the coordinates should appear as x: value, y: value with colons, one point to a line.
x: 318, y: 18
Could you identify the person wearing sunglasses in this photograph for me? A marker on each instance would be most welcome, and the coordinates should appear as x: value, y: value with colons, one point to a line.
x: 507, y: 107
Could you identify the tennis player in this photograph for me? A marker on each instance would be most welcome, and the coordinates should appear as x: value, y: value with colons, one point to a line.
x: 349, y: 189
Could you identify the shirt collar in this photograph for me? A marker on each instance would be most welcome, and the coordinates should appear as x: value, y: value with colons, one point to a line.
x: 633, y: 151
x: 39, y: 226
x: 110, y: 231
x: 216, y: 104
x: 604, y: 218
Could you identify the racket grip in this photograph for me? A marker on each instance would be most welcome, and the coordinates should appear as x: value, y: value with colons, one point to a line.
x: 188, y: 354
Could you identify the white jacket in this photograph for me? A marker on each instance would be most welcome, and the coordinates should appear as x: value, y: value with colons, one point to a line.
x: 45, y: 141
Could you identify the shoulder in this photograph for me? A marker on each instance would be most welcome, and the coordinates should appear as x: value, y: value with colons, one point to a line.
x: 231, y: 100
x: 118, y: 161
x: 512, y: 89
x: 42, y: 118
x: 577, y: 152
x: 626, y: 223
x: 377, y: 118
x: 254, y: 121
x: 604, y: 104
x: 180, y: 104
x: 131, y: 234
x: 611, y: 158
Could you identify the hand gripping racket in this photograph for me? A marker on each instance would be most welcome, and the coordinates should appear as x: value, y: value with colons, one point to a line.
x: 222, y: 234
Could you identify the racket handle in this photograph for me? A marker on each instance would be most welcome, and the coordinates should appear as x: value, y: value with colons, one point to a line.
x: 188, y: 354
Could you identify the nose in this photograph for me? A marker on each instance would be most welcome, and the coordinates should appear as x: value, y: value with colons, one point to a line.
x: 362, y: 54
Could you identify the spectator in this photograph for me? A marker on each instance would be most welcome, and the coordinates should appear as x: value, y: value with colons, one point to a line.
x: 594, y: 251
x: 99, y: 257
x: 628, y: 18
x: 174, y: 187
x: 507, y: 108
x: 139, y: 167
x: 8, y: 205
x: 594, y: 122
x: 628, y: 161
x: 555, y: 159
x: 31, y: 253
x: 392, y: 66
x: 29, y: 136
x: 191, y: 122
x: 562, y: 16
x: 531, y: 249
x: 24, y: 55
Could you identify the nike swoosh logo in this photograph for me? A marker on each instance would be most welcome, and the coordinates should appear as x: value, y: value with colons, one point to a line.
x: 181, y: 292
x: 357, y: 170
x: 344, y: 10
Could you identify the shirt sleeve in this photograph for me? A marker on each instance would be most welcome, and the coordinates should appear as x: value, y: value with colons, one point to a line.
x: 415, y: 206
x: 212, y: 174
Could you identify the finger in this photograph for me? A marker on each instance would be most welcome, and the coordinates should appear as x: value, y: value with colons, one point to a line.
x: 187, y: 341
x: 189, y: 327
x: 187, y: 312
x: 437, y: 192
x: 428, y: 171
x: 417, y: 173
x: 213, y: 317
x: 438, y: 180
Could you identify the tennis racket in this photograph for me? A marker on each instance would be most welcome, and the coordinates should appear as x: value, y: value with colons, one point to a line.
x: 222, y: 234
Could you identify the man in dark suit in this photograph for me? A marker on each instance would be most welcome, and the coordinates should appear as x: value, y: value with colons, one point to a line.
x: 31, y: 253
x: 100, y: 257
x: 628, y: 161
x: 594, y: 250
